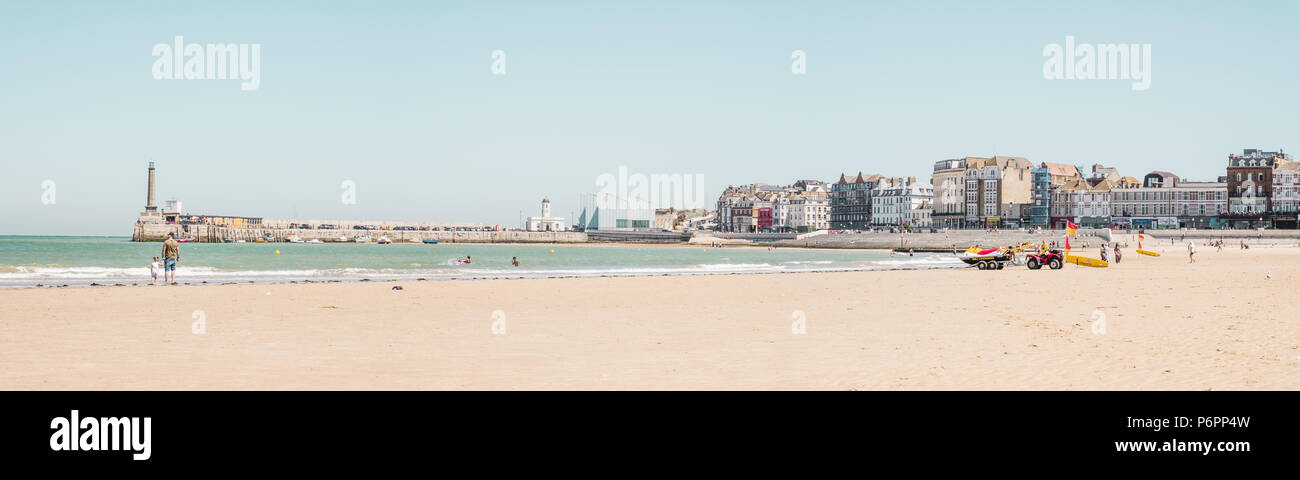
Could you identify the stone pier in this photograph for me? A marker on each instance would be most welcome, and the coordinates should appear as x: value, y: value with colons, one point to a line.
x: 156, y: 232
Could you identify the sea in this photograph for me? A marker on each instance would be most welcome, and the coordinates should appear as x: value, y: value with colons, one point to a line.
x: 30, y: 261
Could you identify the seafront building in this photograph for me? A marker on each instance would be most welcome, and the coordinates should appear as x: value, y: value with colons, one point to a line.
x: 921, y: 217
x: 1200, y: 204
x: 1262, y: 189
x: 1082, y: 203
x: 607, y: 211
x: 1285, y: 202
x: 1047, y: 177
x: 809, y: 212
x: 899, y: 201
x: 1250, y: 184
x: 1163, y: 200
x: 1040, y: 210
x: 780, y: 211
x: 850, y: 201
x: 998, y: 191
x: 546, y: 223
x: 949, y: 204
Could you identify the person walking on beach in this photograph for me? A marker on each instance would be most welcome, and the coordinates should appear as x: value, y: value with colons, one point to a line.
x: 1117, y: 254
x: 153, y: 271
x: 1103, y: 253
x: 1191, y: 252
x: 171, y: 253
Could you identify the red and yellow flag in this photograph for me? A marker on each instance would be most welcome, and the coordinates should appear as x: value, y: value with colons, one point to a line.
x: 1071, y: 228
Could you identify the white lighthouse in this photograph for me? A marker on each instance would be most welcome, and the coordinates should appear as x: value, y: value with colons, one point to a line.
x: 545, y: 223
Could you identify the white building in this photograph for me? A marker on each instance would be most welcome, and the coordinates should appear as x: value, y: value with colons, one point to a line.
x: 780, y: 211
x: 921, y: 217
x: 545, y: 223
x: 172, y: 206
x: 1082, y: 203
x: 810, y: 212
x: 897, y: 201
x: 611, y: 212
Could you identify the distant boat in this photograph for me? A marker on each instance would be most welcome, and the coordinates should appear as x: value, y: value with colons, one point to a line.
x: 384, y: 241
x: 343, y: 239
x: 186, y: 240
x: 315, y: 240
x: 361, y: 239
x: 431, y: 241
x: 295, y: 240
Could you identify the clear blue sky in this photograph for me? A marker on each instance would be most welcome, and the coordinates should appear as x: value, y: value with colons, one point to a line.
x: 399, y: 97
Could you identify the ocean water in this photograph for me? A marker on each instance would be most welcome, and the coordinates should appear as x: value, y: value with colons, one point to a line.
x: 28, y: 261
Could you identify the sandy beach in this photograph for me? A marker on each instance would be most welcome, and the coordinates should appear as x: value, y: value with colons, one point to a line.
x: 1217, y: 324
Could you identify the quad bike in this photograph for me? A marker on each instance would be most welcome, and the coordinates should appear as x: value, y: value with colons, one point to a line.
x: 1054, y: 259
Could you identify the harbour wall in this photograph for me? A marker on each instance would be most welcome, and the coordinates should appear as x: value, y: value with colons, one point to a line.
x: 157, y: 232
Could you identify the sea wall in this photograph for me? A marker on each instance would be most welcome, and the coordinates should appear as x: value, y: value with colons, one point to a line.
x: 940, y: 241
x: 1231, y: 238
x: 156, y: 232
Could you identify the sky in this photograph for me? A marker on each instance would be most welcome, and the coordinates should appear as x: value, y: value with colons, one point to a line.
x: 401, y: 99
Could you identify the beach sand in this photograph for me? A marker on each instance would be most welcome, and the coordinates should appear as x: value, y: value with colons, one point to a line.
x: 1216, y: 324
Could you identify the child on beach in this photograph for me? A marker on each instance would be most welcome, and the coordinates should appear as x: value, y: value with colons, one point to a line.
x: 153, y: 271
x: 1191, y: 252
